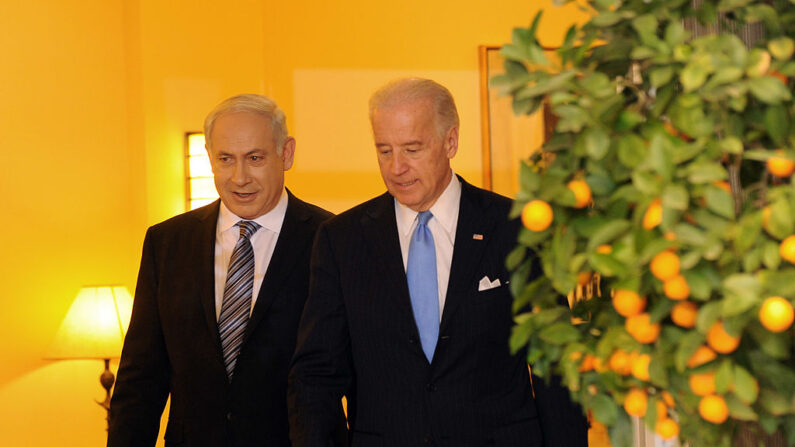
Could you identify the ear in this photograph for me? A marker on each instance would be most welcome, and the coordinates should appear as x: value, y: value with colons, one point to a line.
x: 288, y: 152
x: 451, y: 142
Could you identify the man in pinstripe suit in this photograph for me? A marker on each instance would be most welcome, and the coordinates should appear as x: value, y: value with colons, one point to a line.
x: 449, y: 380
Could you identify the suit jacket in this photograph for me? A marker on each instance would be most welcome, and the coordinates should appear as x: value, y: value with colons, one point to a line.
x: 358, y: 336
x: 173, y: 347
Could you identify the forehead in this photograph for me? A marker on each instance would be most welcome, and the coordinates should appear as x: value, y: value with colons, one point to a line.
x: 239, y: 127
x: 405, y: 116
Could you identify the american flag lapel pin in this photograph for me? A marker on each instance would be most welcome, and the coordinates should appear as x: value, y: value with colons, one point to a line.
x: 477, y: 237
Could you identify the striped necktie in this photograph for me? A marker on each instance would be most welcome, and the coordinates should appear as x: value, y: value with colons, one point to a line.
x: 236, y: 305
x: 423, y: 284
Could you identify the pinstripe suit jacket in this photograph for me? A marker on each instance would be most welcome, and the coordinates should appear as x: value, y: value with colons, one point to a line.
x: 358, y: 337
x: 173, y: 347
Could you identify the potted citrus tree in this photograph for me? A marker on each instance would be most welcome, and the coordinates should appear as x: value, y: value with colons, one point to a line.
x: 667, y: 184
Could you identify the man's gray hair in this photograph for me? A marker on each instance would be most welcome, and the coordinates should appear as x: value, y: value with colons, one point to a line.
x: 401, y: 91
x: 261, y: 105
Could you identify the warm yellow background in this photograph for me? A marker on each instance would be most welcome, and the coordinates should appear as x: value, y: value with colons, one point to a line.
x: 95, y: 98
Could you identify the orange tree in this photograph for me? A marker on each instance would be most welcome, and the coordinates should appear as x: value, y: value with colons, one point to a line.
x: 670, y: 179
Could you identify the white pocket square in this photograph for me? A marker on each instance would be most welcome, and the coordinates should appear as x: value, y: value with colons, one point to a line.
x: 486, y: 284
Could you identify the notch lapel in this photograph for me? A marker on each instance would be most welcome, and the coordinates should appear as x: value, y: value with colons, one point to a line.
x: 468, y: 251
x: 381, y: 234
x: 294, y: 235
x: 204, y: 269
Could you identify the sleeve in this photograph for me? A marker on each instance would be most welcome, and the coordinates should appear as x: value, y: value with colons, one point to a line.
x: 321, y: 371
x: 142, y: 384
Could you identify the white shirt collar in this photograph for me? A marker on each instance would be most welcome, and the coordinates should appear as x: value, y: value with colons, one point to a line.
x: 272, y: 220
x: 445, y: 209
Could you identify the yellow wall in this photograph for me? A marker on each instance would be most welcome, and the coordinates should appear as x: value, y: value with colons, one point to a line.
x: 95, y: 97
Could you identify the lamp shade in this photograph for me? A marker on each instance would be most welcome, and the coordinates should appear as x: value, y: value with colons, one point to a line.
x: 95, y: 325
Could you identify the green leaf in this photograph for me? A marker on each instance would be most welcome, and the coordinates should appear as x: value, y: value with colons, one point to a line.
x: 687, y: 346
x: 607, y: 265
x: 739, y: 410
x: 781, y: 48
x: 600, y: 184
x: 620, y: 431
x: 627, y: 120
x: 769, y: 89
x: 542, y: 87
x: 748, y: 231
x: 647, y: 183
x: 675, y: 196
x: 770, y: 255
x: 699, y: 282
x: 529, y: 179
x: 745, y: 385
x: 731, y: 145
x: 720, y: 202
x: 675, y: 33
x: 777, y: 124
x: 520, y: 335
x: 631, y: 150
x: 559, y: 333
x: 775, y: 403
x: 596, y: 142
x: 661, y: 75
x: 775, y: 345
x: 693, y: 75
x: 604, y: 409
x: 780, y: 224
x: 708, y: 315
x: 658, y: 374
x: 724, y: 375
x: 515, y: 257
x: 705, y: 172
x: 608, y: 232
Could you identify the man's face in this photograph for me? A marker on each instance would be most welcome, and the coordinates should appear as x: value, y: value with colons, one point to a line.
x: 414, y: 159
x: 248, y: 172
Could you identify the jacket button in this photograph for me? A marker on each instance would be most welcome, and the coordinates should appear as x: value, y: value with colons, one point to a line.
x: 413, y: 340
x: 428, y: 440
x: 229, y: 416
x: 430, y: 387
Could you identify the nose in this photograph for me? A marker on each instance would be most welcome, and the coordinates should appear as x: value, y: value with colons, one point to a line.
x: 240, y: 175
x: 398, y: 163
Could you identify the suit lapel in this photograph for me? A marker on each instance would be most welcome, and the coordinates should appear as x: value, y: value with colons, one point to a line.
x: 205, y: 268
x: 295, y: 234
x: 467, y: 251
x: 380, y: 231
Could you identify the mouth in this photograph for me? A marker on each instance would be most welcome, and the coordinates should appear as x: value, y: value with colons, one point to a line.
x: 406, y: 184
x: 243, y: 196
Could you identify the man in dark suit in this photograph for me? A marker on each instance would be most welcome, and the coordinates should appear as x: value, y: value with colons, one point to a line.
x: 219, y: 296
x: 409, y: 312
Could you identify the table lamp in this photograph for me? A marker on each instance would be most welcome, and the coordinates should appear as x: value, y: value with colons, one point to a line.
x: 94, y: 328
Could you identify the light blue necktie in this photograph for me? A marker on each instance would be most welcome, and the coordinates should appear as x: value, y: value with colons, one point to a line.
x: 239, y: 287
x: 423, y: 286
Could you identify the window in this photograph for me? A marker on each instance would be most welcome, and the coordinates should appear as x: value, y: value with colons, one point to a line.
x: 199, y: 188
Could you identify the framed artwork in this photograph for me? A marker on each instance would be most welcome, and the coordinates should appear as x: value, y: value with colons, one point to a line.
x: 505, y: 139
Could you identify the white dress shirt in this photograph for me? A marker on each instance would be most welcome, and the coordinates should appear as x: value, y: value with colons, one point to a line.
x: 442, y: 225
x: 263, y: 241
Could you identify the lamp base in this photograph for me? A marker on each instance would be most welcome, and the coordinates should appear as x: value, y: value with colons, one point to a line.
x: 106, y: 379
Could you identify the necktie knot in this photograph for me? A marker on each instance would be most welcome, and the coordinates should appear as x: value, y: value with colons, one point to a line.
x: 247, y: 228
x: 423, y: 217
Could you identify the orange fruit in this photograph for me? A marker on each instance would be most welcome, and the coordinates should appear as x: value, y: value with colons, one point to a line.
x: 641, y: 328
x: 636, y: 401
x: 702, y: 384
x: 640, y: 367
x: 702, y: 355
x: 684, y: 314
x: 780, y: 166
x: 724, y: 185
x: 587, y: 363
x: 766, y: 216
x: 661, y: 409
x: 676, y: 288
x: 778, y: 75
x: 598, y: 364
x: 667, y: 398
x: 666, y: 428
x: 582, y: 193
x: 664, y: 265
x: 537, y: 215
x: 713, y: 409
x: 583, y: 278
x: 653, y: 215
x: 787, y: 249
x: 670, y: 236
x: 720, y: 340
x: 604, y: 249
x: 628, y: 303
x: 776, y: 314
x: 620, y: 362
